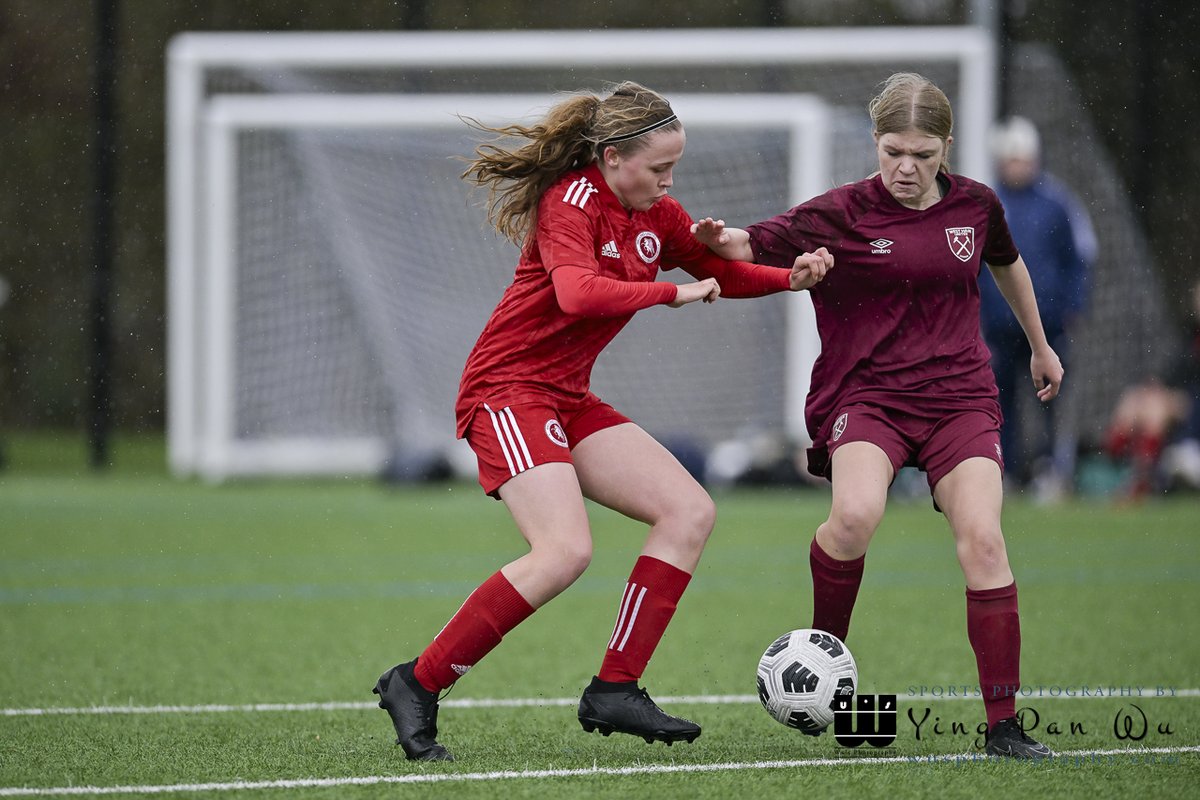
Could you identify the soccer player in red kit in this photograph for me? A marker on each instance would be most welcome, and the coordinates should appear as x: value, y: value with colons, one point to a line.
x: 903, y: 377
x: 586, y: 199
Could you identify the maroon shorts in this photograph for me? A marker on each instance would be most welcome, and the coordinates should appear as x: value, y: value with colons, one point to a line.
x: 509, y: 440
x: 933, y: 442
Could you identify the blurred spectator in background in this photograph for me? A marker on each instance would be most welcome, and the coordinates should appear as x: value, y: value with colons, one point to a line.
x: 1056, y: 239
x: 1155, y: 427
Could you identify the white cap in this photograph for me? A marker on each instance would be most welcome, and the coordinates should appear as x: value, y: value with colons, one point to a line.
x: 1015, y: 137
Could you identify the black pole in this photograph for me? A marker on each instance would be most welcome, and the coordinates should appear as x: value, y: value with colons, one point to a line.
x: 99, y: 407
x: 1146, y: 106
x: 1004, y: 47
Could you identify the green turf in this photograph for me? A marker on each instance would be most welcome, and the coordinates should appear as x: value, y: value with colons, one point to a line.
x: 130, y: 588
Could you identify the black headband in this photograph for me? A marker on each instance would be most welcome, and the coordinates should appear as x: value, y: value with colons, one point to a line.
x: 624, y: 137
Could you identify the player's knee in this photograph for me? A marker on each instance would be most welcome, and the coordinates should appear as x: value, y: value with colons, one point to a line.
x: 852, y: 526
x: 575, y: 560
x: 691, y: 518
x: 699, y: 516
x: 704, y: 514
x: 983, y: 550
x: 565, y: 561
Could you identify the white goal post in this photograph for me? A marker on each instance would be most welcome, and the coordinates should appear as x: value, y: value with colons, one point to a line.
x: 207, y: 120
x: 222, y: 453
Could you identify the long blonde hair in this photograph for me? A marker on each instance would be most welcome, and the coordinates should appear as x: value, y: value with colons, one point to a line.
x: 911, y: 102
x: 573, y: 134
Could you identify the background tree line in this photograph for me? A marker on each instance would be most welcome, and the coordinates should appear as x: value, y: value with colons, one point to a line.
x: 1134, y: 66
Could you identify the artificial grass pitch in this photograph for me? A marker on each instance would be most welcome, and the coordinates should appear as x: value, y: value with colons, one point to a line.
x: 267, y: 599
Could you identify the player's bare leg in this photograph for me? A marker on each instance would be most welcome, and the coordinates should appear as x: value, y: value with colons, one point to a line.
x: 861, y: 474
x: 547, y: 506
x: 625, y: 469
x: 546, y: 503
x: 971, y: 496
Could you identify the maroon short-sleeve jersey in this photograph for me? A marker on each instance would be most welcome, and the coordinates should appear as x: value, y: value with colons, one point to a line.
x: 898, y: 315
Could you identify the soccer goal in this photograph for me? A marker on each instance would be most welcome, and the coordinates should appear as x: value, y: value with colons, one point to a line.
x: 329, y: 271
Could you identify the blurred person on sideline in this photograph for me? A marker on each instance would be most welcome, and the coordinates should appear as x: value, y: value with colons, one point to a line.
x: 1055, y: 236
x: 584, y: 194
x: 1155, y: 426
x: 903, y: 377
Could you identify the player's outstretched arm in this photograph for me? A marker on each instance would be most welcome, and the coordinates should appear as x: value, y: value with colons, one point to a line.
x: 732, y: 244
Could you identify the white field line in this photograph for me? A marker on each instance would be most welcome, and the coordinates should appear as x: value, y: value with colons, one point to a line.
x: 1141, y: 756
x: 1116, y: 693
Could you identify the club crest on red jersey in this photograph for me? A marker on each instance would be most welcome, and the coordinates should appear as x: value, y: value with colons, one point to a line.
x: 648, y: 246
x: 555, y: 432
x: 962, y: 242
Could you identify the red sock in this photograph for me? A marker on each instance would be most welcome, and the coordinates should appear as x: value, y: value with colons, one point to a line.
x: 1116, y: 442
x: 653, y: 590
x: 492, y: 610
x: 994, y: 628
x: 835, y: 588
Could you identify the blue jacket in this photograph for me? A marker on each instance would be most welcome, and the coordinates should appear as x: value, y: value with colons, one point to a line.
x: 1057, y: 242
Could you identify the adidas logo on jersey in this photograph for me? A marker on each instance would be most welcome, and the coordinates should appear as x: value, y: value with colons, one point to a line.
x: 610, y: 249
x: 578, y: 192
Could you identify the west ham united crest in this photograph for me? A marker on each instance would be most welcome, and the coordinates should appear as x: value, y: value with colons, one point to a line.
x: 962, y: 242
x: 839, y: 426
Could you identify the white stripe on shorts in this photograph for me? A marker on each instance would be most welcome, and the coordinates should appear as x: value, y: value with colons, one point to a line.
x: 504, y: 444
x: 520, y: 438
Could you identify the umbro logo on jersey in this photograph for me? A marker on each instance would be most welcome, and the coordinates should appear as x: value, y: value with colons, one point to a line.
x: 881, y: 245
x: 579, y: 192
x: 610, y: 249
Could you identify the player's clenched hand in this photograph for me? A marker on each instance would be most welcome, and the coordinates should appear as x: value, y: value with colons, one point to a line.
x: 1047, y: 373
x: 707, y: 290
x: 711, y: 232
x: 809, y: 269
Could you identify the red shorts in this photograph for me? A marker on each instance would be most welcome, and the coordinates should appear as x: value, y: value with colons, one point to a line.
x: 935, y: 442
x: 510, y: 439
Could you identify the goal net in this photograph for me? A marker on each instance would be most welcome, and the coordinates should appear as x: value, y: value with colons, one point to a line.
x: 330, y: 272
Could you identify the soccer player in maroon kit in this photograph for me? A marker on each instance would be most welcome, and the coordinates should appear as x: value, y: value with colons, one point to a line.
x: 903, y: 377
x: 586, y: 200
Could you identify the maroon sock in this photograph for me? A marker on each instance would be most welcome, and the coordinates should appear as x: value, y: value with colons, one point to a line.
x: 994, y: 628
x: 835, y: 588
x: 492, y: 610
x: 649, y: 601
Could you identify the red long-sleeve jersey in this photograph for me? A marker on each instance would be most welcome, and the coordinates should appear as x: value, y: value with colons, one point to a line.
x: 590, y: 264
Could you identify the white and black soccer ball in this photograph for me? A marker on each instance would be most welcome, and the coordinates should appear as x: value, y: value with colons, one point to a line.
x: 800, y: 676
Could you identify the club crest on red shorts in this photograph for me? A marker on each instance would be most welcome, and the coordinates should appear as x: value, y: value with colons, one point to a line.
x: 839, y: 426
x: 555, y: 432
